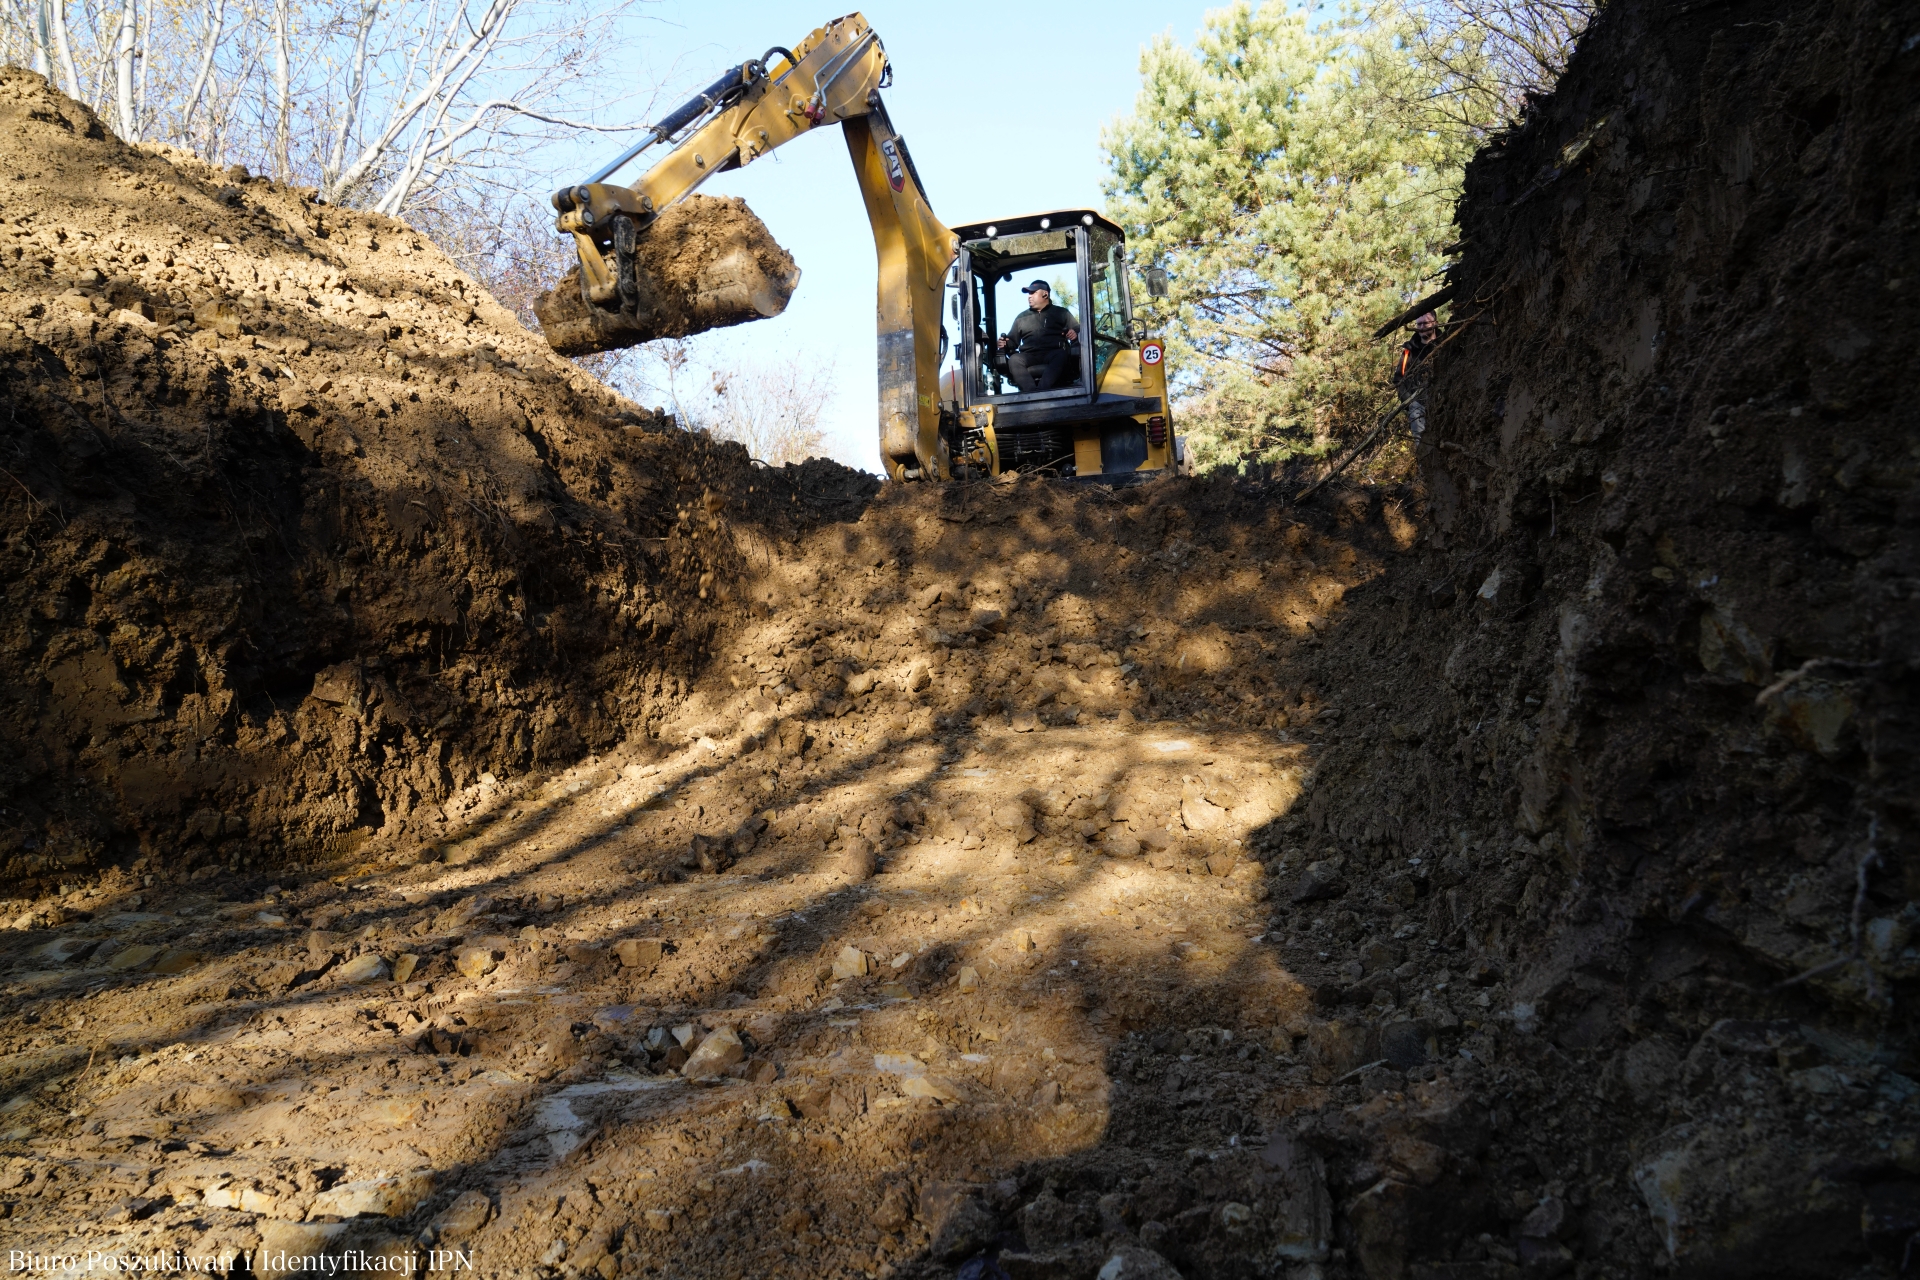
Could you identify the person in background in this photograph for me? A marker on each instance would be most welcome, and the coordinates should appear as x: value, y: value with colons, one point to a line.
x: 1410, y: 371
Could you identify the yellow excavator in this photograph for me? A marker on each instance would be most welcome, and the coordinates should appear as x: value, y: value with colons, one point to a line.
x: 946, y: 410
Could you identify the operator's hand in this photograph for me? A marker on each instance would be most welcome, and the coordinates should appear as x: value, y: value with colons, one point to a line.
x: 1073, y: 335
x: 1003, y: 344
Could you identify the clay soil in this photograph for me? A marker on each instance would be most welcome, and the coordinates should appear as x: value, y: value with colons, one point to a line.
x: 451, y: 811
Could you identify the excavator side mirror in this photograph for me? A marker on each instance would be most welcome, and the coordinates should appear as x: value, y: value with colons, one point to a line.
x: 1156, y: 282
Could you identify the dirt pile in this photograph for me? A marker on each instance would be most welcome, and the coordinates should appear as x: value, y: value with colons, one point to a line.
x: 705, y: 263
x: 308, y: 543
x: 1508, y: 878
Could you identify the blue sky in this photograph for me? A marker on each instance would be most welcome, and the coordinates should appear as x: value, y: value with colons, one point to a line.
x: 1001, y: 103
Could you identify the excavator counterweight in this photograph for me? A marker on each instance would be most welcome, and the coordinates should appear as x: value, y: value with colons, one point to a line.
x: 656, y: 263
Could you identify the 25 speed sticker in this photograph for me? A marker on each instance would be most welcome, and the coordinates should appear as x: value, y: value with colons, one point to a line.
x: 1150, y: 353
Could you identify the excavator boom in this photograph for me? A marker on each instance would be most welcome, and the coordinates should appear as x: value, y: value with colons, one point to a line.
x: 834, y: 76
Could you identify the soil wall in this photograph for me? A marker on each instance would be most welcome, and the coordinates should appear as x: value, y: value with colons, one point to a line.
x: 1645, y: 707
x: 307, y: 543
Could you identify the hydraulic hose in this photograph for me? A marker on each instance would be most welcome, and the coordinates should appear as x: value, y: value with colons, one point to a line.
x: 718, y: 94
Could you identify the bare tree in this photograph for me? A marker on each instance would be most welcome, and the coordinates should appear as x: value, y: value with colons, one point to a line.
x: 282, y: 88
x: 25, y: 28
x: 146, y: 61
x: 1527, y: 42
x: 125, y: 121
x: 774, y: 409
x: 378, y: 103
x: 216, y: 19
x: 348, y: 115
x: 63, y: 48
x: 1493, y: 57
x: 490, y: 75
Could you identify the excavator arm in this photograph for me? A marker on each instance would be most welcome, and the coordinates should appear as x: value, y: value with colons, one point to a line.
x: 834, y: 76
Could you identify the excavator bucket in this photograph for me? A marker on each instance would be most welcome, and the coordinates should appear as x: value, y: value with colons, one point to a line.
x: 704, y: 263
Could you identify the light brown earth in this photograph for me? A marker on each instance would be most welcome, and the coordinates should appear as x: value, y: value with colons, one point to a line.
x: 908, y: 841
x: 1509, y: 875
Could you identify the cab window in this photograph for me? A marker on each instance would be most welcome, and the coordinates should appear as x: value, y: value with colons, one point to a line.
x: 1001, y: 268
x: 1111, y: 323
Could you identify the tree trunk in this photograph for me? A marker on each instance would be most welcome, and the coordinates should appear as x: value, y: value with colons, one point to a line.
x: 63, y: 49
x: 146, y: 60
x: 350, y: 109
x: 128, y: 124
x: 41, y: 36
x: 216, y: 19
x: 282, y: 85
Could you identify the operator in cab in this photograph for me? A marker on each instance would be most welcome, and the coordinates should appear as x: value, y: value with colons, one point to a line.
x: 1037, y: 343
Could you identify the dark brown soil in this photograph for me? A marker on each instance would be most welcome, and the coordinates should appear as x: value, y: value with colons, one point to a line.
x: 308, y: 542
x: 1510, y: 875
x: 1644, y: 704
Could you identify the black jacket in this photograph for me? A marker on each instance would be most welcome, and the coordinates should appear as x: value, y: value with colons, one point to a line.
x: 1409, y: 369
x: 1044, y: 330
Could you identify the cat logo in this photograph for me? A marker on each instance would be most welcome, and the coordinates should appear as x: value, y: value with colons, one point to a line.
x: 896, y: 172
x: 1150, y: 353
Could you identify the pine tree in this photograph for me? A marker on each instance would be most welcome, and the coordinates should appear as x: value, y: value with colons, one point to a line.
x: 1281, y: 173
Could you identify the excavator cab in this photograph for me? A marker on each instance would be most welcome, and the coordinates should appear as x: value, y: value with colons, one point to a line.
x: 1107, y: 414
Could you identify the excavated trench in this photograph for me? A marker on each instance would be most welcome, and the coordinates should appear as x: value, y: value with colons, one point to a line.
x: 452, y: 810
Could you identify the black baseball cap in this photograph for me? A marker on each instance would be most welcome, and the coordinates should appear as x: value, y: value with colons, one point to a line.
x: 1039, y: 284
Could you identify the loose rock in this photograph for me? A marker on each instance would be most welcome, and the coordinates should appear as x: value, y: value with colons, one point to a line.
x: 365, y: 968
x: 720, y: 1049
x: 638, y: 953
x: 375, y: 1197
